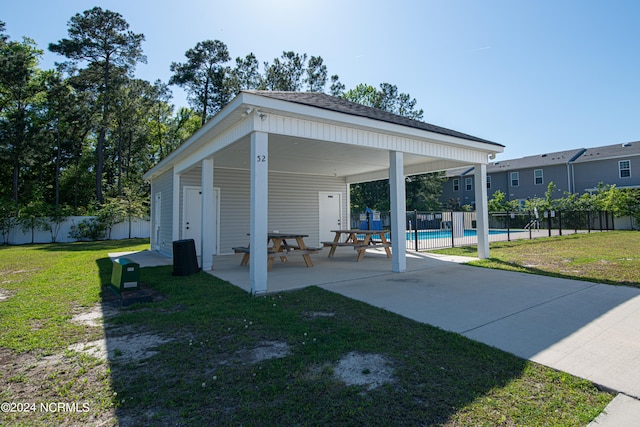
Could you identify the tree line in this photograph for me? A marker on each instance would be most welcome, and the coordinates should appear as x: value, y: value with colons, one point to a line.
x: 76, y: 139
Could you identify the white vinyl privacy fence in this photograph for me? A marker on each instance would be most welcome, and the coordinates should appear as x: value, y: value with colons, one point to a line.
x: 137, y: 228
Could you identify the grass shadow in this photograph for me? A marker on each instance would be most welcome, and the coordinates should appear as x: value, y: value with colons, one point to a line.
x: 93, y: 246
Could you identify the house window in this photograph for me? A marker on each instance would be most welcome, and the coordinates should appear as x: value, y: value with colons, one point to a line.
x: 624, y: 166
x: 456, y: 184
x: 515, y: 179
x: 537, y: 177
x: 488, y: 182
x: 468, y: 184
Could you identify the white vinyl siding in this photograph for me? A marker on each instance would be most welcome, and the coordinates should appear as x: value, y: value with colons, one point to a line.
x: 293, y: 203
x: 164, y: 185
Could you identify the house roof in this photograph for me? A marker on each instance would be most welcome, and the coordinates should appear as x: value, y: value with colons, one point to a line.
x: 610, y: 152
x: 333, y: 103
x: 539, y: 160
x: 578, y: 155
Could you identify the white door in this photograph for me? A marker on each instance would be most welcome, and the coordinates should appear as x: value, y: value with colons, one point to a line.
x: 330, y: 215
x: 192, y: 216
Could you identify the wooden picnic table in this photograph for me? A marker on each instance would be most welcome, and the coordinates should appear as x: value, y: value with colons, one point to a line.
x: 361, y: 245
x: 281, y: 245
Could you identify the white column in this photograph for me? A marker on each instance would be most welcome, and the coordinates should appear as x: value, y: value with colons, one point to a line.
x: 398, y: 212
x: 347, y: 224
x: 482, y: 214
x: 208, y: 229
x: 175, y: 229
x: 259, y: 208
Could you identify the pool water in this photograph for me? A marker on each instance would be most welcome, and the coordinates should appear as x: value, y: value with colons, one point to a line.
x: 443, y: 234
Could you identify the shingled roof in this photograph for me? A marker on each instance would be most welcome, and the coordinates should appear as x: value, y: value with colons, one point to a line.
x: 333, y: 103
x: 546, y: 159
x: 610, y: 152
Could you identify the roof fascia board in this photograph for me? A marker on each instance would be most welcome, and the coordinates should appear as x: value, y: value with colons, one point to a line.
x: 302, y: 127
x: 322, y: 114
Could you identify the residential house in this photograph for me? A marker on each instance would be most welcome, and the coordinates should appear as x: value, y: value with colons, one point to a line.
x: 617, y: 165
x: 572, y: 171
x: 518, y: 179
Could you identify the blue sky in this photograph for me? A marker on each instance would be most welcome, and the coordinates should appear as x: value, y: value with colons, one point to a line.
x: 535, y: 76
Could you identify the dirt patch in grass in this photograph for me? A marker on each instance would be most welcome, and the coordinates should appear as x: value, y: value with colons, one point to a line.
x: 129, y: 348
x: 4, y: 294
x: 369, y: 370
x: 42, y: 382
x: 95, y: 316
x: 315, y: 314
x: 268, y: 350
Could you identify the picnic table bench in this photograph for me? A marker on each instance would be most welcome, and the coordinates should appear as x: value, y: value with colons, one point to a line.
x: 280, y: 248
x: 361, y: 245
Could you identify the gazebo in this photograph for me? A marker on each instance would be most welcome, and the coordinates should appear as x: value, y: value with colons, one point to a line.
x: 285, y: 160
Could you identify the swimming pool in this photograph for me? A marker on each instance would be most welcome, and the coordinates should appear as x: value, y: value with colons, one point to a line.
x: 446, y: 234
x: 442, y: 234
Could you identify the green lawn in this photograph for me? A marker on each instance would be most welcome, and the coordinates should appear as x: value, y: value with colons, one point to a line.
x: 611, y: 257
x: 216, y: 365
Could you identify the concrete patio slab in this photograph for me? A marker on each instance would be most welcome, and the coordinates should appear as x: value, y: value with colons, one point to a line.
x: 294, y: 274
x: 144, y: 258
x: 621, y: 411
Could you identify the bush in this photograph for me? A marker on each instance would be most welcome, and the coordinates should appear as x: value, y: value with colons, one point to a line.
x: 88, y: 230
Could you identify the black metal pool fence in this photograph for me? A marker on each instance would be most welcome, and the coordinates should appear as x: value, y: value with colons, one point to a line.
x: 446, y: 229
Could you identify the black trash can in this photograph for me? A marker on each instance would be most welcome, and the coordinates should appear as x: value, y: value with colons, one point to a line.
x: 185, y: 261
